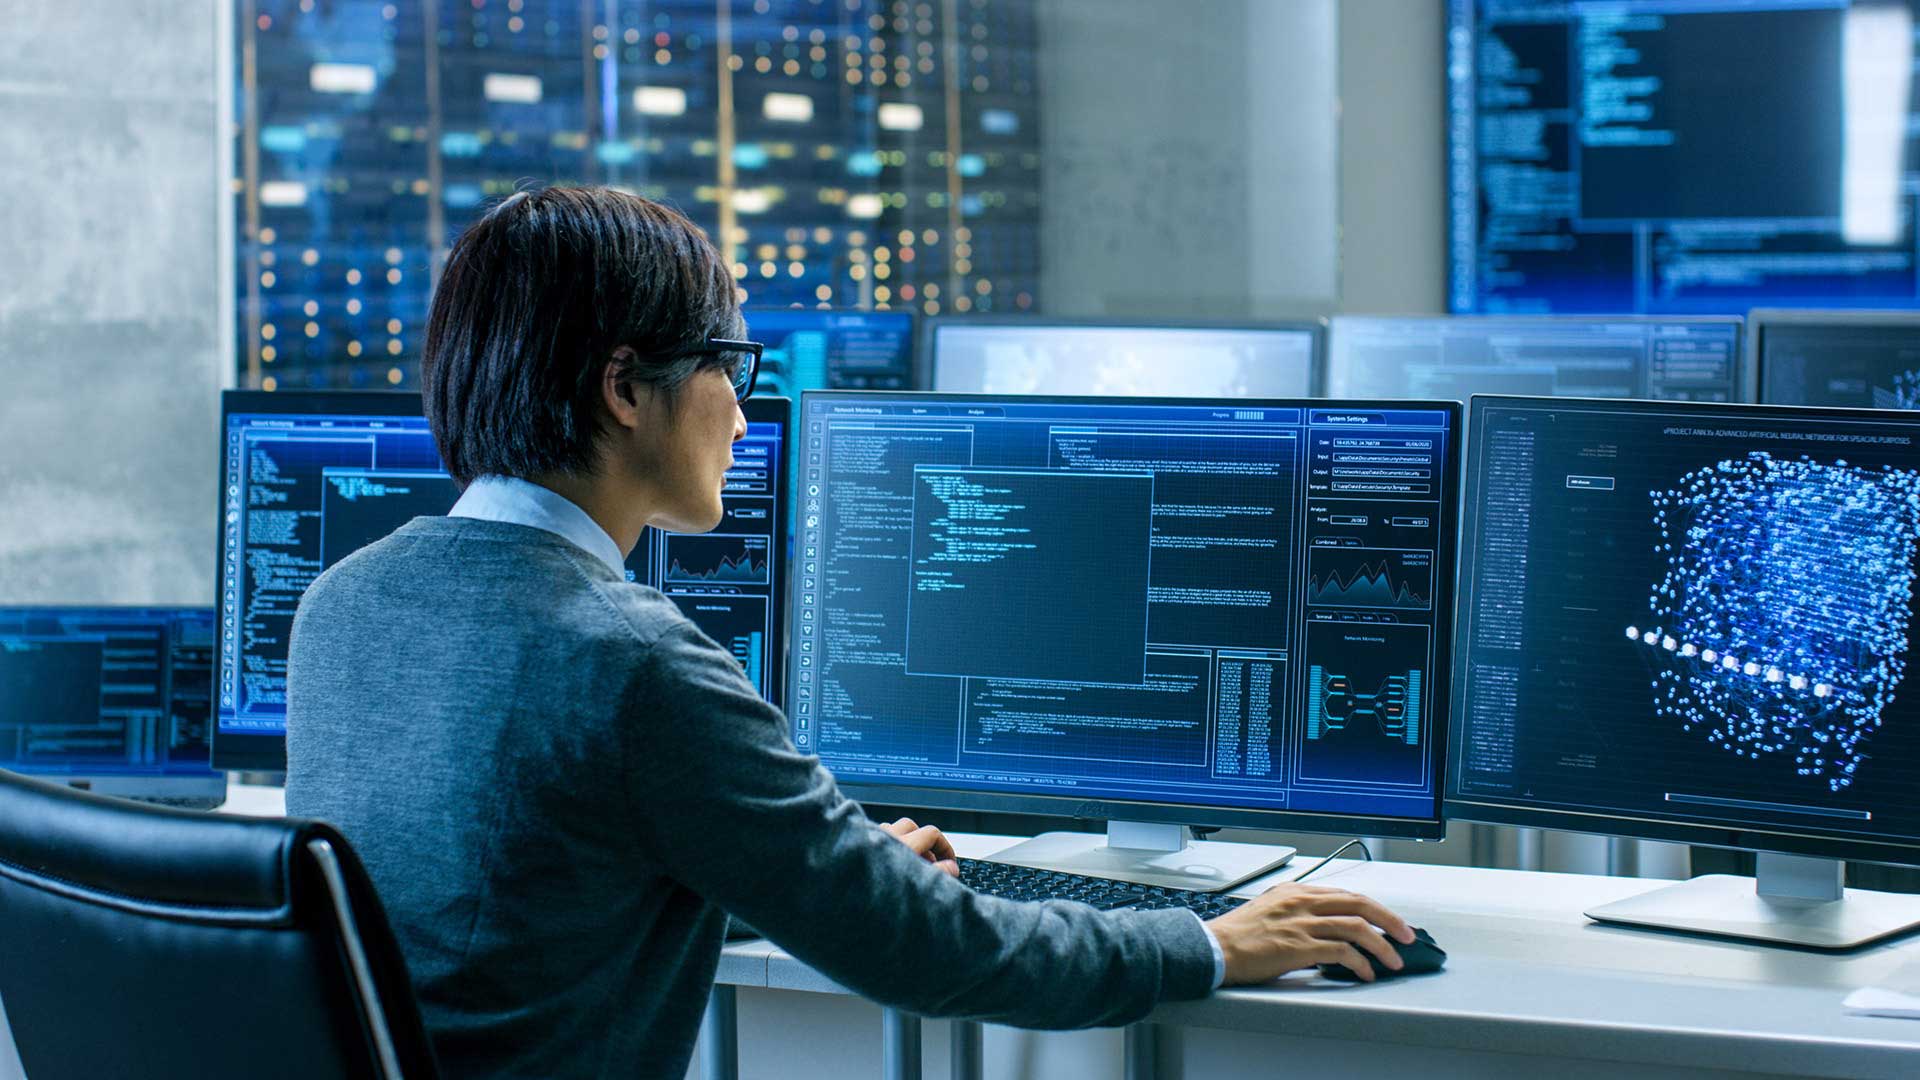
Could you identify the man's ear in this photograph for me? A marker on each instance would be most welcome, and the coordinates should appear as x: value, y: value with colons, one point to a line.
x: 622, y: 397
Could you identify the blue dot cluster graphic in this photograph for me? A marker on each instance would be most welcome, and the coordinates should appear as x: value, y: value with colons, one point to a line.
x: 1906, y: 390
x: 1780, y: 627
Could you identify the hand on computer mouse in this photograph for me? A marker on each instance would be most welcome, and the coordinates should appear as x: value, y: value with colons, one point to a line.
x: 1421, y: 956
x: 1290, y: 927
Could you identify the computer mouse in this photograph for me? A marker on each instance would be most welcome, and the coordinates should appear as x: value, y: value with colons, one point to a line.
x: 1420, y: 957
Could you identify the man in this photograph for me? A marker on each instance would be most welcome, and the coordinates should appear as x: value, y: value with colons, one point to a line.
x: 560, y: 786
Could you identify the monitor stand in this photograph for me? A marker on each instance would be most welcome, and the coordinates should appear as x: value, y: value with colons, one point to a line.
x: 1166, y: 856
x: 1791, y: 901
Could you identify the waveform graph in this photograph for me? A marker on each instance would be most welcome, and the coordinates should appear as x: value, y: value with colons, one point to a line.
x: 717, y: 559
x: 1366, y: 704
x: 1778, y: 632
x: 1391, y: 578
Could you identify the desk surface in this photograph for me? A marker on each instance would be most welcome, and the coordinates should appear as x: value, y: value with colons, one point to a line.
x: 1528, y: 973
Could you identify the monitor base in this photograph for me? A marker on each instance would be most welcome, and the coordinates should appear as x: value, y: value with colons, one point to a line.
x: 1791, y: 902
x: 1163, y: 856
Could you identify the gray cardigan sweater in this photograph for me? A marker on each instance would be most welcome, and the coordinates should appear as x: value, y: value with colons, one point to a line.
x: 560, y: 787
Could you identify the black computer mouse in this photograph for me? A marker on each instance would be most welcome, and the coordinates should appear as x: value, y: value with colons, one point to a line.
x: 1421, y: 957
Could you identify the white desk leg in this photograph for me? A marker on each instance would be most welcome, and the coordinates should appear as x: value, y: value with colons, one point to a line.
x: 720, y: 1057
x: 899, y: 1045
x: 1142, y: 1052
x: 965, y: 1063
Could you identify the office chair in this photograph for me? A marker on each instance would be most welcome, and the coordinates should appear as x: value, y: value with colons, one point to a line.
x: 143, y: 941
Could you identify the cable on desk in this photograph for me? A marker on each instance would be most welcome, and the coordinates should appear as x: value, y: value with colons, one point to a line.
x: 1336, y: 854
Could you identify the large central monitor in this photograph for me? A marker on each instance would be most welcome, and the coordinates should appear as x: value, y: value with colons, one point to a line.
x: 309, y: 478
x: 991, y: 355
x: 1672, y: 359
x: 1693, y: 623
x: 1853, y: 359
x: 1167, y: 611
x: 116, y: 700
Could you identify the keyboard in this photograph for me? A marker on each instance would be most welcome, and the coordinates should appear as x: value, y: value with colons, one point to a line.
x: 1027, y: 883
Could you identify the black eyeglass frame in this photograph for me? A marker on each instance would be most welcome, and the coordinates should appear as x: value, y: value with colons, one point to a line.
x: 742, y: 388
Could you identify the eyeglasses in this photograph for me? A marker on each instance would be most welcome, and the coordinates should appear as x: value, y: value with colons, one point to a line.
x: 743, y: 368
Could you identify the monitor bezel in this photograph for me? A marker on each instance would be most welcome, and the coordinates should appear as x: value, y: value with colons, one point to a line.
x: 209, y: 783
x: 778, y: 411
x: 1746, y: 385
x: 268, y: 753
x: 1627, y: 824
x: 1315, y: 326
x: 919, y: 370
x: 1760, y: 320
x: 1078, y: 808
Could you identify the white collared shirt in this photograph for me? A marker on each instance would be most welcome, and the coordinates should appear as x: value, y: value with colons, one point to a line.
x: 523, y: 502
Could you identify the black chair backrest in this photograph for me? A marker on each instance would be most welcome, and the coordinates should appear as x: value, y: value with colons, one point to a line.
x: 143, y: 941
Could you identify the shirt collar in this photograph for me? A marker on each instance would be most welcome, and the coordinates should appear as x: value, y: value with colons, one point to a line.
x: 523, y: 502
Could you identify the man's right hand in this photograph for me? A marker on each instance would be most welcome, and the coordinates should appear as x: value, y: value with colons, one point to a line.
x: 1290, y: 927
x: 927, y: 842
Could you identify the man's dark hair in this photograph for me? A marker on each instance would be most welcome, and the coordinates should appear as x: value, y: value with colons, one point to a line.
x: 538, y: 297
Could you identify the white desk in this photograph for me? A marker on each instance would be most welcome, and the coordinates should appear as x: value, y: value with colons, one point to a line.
x: 1530, y: 986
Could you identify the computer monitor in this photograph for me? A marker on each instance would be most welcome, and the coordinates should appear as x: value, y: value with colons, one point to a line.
x: 1615, y: 357
x: 1852, y: 359
x: 309, y: 478
x: 1157, y: 612
x: 116, y: 700
x: 1697, y: 157
x: 732, y: 581
x: 992, y: 355
x: 832, y: 348
x: 1691, y: 622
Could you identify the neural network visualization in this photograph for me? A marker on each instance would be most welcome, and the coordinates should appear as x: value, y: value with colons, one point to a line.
x: 1335, y: 701
x: 1781, y: 624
